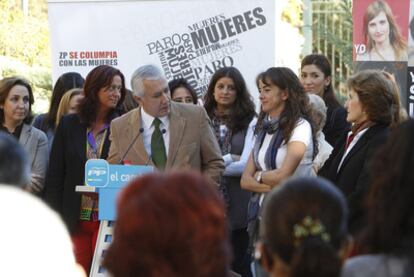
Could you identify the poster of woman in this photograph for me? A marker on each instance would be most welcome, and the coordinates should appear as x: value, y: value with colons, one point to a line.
x: 411, y: 36
x: 380, y: 30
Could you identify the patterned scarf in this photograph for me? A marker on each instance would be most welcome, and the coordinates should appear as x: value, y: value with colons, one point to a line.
x: 254, y: 209
x: 217, y: 120
x: 269, y: 127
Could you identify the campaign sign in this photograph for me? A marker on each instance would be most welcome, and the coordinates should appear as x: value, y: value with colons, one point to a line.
x: 109, y: 180
x: 96, y: 173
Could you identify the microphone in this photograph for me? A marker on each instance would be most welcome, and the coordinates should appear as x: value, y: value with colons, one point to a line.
x: 140, y: 131
x: 163, y: 131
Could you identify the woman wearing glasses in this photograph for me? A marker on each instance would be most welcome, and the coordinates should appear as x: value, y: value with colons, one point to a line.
x: 80, y: 137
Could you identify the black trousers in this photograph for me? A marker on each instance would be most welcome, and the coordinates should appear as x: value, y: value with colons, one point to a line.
x: 241, y: 258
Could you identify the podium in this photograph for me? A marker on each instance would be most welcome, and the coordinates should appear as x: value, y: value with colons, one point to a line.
x: 107, y: 180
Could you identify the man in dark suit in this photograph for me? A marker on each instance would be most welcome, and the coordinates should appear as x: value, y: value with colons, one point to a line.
x: 162, y: 133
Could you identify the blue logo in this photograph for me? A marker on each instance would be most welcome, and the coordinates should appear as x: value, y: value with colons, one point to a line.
x: 96, y: 173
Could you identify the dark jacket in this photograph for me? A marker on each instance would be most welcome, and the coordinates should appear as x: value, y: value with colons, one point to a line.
x: 67, y: 168
x: 354, y: 175
x: 335, y: 125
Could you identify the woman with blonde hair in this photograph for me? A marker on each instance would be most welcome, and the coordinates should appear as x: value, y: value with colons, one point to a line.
x: 69, y: 103
x: 382, y: 35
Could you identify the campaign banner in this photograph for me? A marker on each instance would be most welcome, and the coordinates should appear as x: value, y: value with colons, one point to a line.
x: 187, y: 39
x: 383, y: 39
x: 410, y: 85
x: 108, y: 180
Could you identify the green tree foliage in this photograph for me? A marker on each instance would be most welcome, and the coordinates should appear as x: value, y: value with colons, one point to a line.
x: 24, y: 37
x: 332, y: 36
x: 293, y: 13
x: 24, y: 44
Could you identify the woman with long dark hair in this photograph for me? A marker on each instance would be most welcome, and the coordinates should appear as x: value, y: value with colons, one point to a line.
x: 316, y: 78
x: 286, y: 138
x: 80, y: 137
x: 231, y: 110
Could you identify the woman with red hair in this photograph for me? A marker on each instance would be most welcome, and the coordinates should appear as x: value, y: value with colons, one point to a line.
x: 169, y: 225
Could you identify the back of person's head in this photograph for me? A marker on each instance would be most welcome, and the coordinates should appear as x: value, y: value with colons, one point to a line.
x: 14, y: 165
x: 169, y: 225
x: 374, y: 91
x: 319, y: 110
x: 33, y: 238
x: 65, y: 82
x: 6, y: 84
x: 129, y: 102
x: 399, y: 113
x: 304, y: 227
x: 390, y: 202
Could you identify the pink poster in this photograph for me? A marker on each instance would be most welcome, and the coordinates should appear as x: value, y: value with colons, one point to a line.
x: 380, y: 30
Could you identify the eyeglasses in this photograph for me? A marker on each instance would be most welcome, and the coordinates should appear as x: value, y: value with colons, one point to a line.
x: 112, y: 88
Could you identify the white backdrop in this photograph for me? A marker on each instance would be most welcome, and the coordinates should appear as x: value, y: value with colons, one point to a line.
x: 188, y: 39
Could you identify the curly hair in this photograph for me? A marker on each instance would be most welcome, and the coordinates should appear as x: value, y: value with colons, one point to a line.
x: 297, y: 104
x: 100, y: 77
x: 6, y: 85
x: 390, y: 202
x: 243, y: 109
x: 172, y: 225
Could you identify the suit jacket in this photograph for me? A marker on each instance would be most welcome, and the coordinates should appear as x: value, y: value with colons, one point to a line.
x: 34, y: 142
x: 354, y: 175
x: 192, y: 142
x: 335, y: 125
x: 67, y: 168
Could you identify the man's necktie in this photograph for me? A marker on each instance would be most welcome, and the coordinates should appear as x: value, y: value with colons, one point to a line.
x: 157, y: 146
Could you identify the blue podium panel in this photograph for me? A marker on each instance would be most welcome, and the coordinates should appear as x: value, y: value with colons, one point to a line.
x: 109, y: 180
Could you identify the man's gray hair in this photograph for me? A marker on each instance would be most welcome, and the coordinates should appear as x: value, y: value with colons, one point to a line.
x: 145, y: 72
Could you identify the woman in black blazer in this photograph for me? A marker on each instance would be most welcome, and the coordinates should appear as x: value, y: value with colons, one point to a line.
x: 80, y: 137
x: 370, y: 111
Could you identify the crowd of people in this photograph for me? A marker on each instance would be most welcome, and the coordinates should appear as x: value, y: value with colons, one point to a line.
x: 303, y: 187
